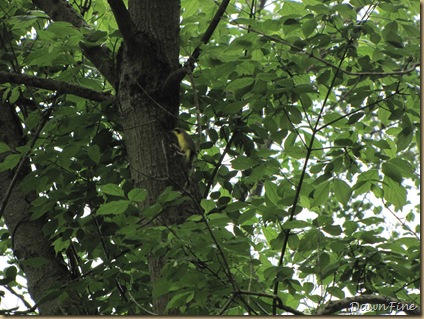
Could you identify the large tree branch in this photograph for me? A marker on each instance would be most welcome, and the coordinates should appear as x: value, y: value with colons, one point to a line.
x: 123, y: 19
x: 54, y: 85
x: 209, y: 31
x: 177, y: 76
x: 101, y: 57
x: 381, y: 302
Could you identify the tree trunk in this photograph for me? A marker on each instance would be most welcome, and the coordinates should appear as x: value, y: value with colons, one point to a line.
x: 146, y: 60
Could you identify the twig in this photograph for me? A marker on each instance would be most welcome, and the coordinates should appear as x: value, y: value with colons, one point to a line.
x: 280, y: 302
x: 302, y: 176
x: 26, y: 303
x: 218, y: 165
x: 400, y: 221
x: 355, y: 111
x: 196, y: 103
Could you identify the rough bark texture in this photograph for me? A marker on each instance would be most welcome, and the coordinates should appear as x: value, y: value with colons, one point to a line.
x: 147, y: 115
x: 27, y: 236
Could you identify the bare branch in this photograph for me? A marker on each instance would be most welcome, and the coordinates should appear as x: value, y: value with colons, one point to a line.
x: 54, y: 85
x: 123, y: 19
x: 100, y: 56
x: 383, y: 302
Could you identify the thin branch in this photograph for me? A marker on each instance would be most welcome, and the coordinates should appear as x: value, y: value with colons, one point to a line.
x: 123, y: 19
x: 21, y: 297
x: 226, y: 305
x: 13, y: 312
x: 400, y: 221
x: 196, y: 103
x: 383, y: 302
x: 302, y: 176
x: 54, y: 85
x: 218, y: 165
x: 279, y: 301
x: 407, y: 284
x: 355, y: 111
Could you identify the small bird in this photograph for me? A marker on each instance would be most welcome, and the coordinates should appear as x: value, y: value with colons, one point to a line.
x: 186, y: 145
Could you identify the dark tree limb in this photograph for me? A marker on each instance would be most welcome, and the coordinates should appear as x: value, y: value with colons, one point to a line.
x: 384, y: 302
x: 123, y: 19
x: 101, y: 57
x: 54, y: 85
x: 177, y: 76
x: 209, y: 31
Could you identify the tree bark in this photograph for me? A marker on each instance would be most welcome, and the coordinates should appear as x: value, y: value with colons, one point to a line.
x: 146, y: 60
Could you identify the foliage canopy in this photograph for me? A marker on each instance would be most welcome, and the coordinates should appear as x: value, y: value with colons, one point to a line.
x: 307, y: 119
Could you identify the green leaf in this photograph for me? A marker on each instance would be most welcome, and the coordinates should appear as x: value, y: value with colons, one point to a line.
x: 324, y: 77
x: 168, y: 196
x: 10, y: 162
x: 243, y: 162
x: 342, y: 191
x: 112, y: 189
x: 137, y: 195
x: 11, y: 272
x: 152, y: 211
x: 334, y: 230
x: 113, y: 208
x: 320, y: 194
x: 35, y: 261
x: 271, y: 192
x: 4, y: 147
x: 355, y: 118
x: 382, y: 144
x: 404, y: 167
x: 269, y: 233
x: 310, y: 240
x: 94, y: 153
x: 343, y: 142
x: 394, y: 193
x: 404, y: 138
x: 207, y: 205
x: 309, y: 27
x: 236, y: 206
x: 180, y: 300
x: 296, y: 224
x: 239, y: 83
x: 392, y: 171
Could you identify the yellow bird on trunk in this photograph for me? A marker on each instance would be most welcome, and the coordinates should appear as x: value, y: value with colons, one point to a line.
x: 186, y: 145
